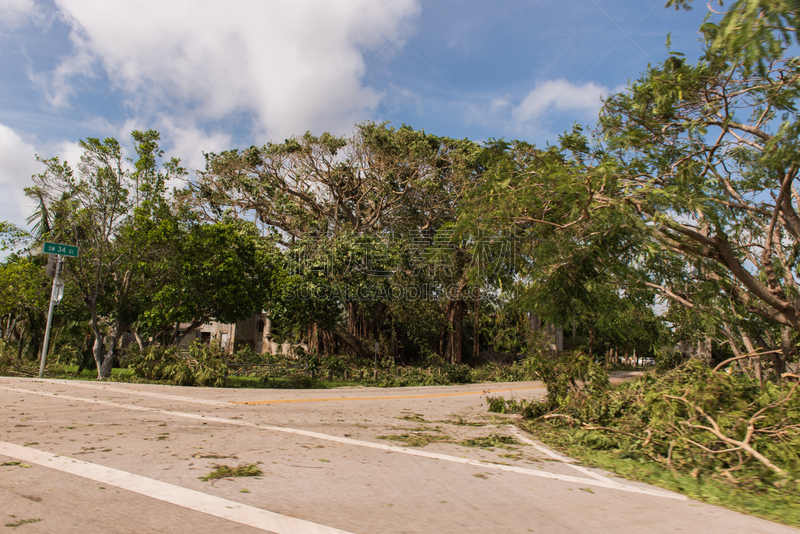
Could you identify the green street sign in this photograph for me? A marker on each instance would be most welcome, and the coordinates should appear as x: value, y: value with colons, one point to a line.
x: 63, y: 250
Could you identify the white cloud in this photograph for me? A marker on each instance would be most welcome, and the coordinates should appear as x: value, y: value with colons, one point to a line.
x: 70, y: 152
x: 14, y: 13
x: 18, y: 161
x: 498, y: 104
x: 292, y: 66
x: 17, y: 165
x: 56, y: 85
x: 559, y: 95
x: 189, y: 144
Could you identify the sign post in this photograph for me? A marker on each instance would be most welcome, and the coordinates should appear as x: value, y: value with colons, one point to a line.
x: 56, y: 292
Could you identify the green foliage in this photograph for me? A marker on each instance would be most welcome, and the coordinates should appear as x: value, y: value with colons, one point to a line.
x: 417, y: 439
x: 224, y: 471
x: 458, y: 373
x: 754, y: 30
x: 20, y: 522
x: 10, y: 365
x: 684, y: 190
x: 299, y: 382
x: 694, y: 420
x: 414, y: 376
x: 775, y: 504
x: 224, y: 271
x: 490, y: 442
x: 669, y: 359
x: 24, y: 298
x: 247, y: 355
x: 516, y: 371
x: 121, y: 221
x: 14, y: 238
x: 503, y: 405
x: 204, y: 365
x: 562, y: 374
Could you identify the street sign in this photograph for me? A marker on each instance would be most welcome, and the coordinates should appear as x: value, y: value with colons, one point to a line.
x: 58, y: 290
x: 63, y: 250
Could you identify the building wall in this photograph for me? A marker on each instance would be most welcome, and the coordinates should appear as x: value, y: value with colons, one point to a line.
x: 254, y: 332
x: 220, y: 333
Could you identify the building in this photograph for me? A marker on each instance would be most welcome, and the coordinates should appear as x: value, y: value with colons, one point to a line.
x: 254, y: 332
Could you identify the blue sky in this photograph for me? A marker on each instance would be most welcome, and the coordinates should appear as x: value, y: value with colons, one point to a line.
x: 213, y: 75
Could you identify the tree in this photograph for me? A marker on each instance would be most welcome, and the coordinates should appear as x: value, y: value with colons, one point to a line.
x: 381, y: 185
x: 689, y: 186
x: 99, y: 206
x: 222, y: 271
x: 707, y: 157
x: 753, y: 30
x: 566, y: 261
x: 24, y: 295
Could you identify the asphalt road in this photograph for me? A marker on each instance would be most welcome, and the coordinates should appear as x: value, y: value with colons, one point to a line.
x: 90, y: 457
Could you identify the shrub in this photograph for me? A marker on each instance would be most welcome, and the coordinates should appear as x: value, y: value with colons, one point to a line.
x: 202, y: 366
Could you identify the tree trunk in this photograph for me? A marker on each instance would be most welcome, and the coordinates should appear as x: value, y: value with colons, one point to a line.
x: 477, y: 326
x: 352, y: 319
x: 139, y: 341
x: 313, y: 338
x: 454, y: 314
x: 704, y: 351
x: 757, y: 371
x: 353, y: 342
x: 535, y: 323
x: 779, y: 359
x: 354, y: 325
x: 180, y: 336
x: 455, y: 318
x: 108, y: 362
x: 97, y: 347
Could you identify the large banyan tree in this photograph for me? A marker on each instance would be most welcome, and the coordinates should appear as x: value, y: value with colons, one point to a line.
x: 361, y: 219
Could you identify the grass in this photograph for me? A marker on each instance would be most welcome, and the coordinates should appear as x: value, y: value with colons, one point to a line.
x: 224, y: 471
x: 20, y: 522
x: 67, y: 372
x: 773, y: 504
x: 460, y: 421
x: 490, y: 442
x: 14, y: 464
x: 416, y: 439
x: 417, y: 418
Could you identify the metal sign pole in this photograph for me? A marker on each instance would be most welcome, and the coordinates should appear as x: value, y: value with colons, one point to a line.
x: 53, y: 292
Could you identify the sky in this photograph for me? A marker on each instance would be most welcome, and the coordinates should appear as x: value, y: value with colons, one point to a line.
x: 214, y: 75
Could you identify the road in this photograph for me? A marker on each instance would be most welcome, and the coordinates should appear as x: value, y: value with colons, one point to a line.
x: 114, y: 457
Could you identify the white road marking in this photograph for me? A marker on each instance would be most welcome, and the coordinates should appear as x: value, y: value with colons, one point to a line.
x: 163, y: 491
x: 563, y: 459
x: 604, y: 483
x: 138, y: 392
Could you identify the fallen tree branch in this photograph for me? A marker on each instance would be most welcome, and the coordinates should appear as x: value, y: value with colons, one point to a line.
x: 715, y: 430
x: 743, y: 356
